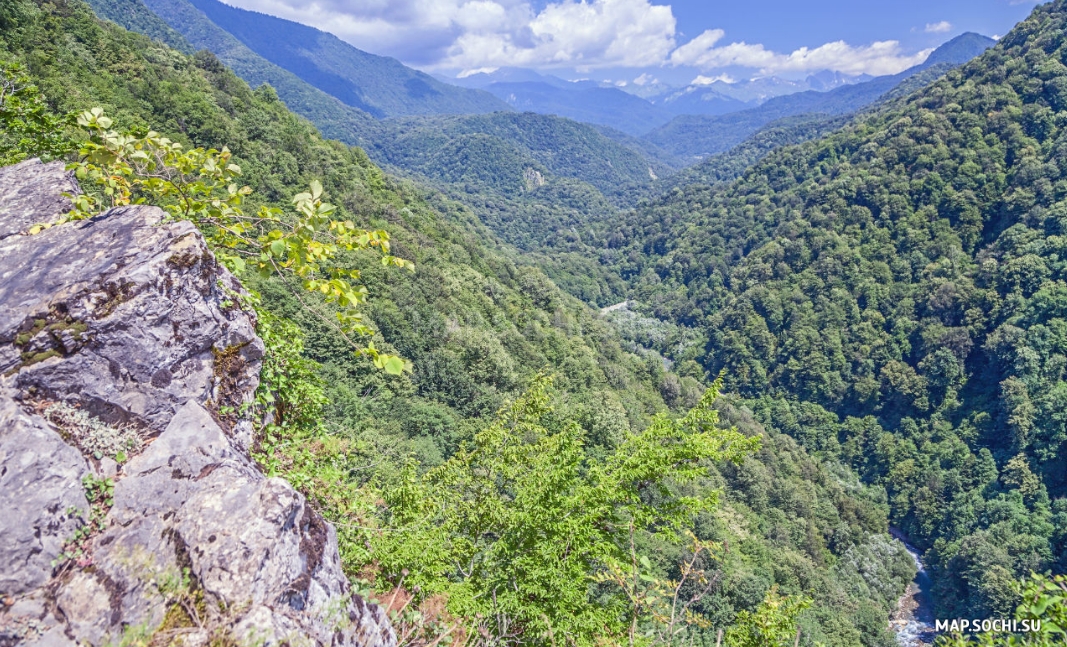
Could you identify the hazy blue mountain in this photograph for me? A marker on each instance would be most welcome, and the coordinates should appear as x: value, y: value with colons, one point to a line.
x: 960, y: 49
x: 722, y: 96
x: 378, y: 85
x: 828, y: 80
x: 701, y: 100
x: 583, y: 102
x: 696, y: 136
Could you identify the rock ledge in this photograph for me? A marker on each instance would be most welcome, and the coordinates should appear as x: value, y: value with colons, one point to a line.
x: 124, y: 317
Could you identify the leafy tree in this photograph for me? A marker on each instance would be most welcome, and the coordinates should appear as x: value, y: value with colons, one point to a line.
x: 773, y: 624
x: 516, y: 526
x: 27, y: 127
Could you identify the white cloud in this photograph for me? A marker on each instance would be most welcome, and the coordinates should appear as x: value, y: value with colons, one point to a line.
x: 938, y: 27
x: 471, y: 34
x: 582, y: 35
x: 708, y: 80
x: 645, y: 79
x: 878, y: 58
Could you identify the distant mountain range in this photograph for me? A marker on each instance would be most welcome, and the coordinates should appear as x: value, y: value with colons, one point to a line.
x: 637, y: 109
x: 695, y: 136
x: 585, y: 101
x: 378, y: 85
x: 352, y: 95
x: 709, y: 115
x: 421, y: 132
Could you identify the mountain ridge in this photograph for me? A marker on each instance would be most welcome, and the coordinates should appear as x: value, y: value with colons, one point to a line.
x: 695, y: 136
x: 379, y: 85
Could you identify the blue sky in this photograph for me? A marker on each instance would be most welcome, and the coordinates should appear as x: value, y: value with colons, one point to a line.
x: 788, y: 25
x: 672, y: 41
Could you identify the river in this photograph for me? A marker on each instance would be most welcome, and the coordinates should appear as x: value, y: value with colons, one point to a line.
x: 913, y: 621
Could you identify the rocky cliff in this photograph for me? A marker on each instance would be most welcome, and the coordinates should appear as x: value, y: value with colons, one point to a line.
x: 131, y: 510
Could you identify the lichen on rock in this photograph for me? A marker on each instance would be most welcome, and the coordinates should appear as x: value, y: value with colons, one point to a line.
x: 125, y: 319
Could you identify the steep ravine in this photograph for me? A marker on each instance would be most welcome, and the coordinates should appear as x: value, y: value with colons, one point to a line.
x: 130, y: 504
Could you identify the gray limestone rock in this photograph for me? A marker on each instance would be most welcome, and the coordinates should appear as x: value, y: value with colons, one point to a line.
x: 125, y: 315
x: 250, y: 543
x: 128, y: 317
x: 32, y: 193
x: 41, y: 497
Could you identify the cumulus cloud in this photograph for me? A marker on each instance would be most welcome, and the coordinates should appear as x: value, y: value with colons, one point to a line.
x: 938, y: 27
x: 583, y: 35
x: 878, y: 58
x: 471, y: 34
x: 601, y: 33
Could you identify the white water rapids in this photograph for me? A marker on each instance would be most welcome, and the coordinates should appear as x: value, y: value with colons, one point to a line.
x: 913, y: 621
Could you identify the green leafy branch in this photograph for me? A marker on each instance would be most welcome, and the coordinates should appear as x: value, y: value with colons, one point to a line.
x: 661, y: 603
x: 518, y: 524
x: 301, y: 246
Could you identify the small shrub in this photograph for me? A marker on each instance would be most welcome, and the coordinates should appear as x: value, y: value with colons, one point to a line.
x: 93, y: 436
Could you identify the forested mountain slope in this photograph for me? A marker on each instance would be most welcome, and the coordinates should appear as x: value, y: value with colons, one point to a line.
x: 893, y: 295
x: 700, y: 135
x: 493, y: 149
x: 380, y: 85
x: 731, y: 164
x: 536, y: 181
x: 477, y: 328
x: 193, y: 31
x: 255, y: 44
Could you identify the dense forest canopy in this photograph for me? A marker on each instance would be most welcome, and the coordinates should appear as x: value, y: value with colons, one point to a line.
x: 890, y: 295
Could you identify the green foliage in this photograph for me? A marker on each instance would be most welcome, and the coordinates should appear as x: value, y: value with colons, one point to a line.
x: 495, y: 149
x: 477, y: 325
x: 515, y: 525
x: 290, y: 387
x: 27, y: 127
x: 99, y: 492
x: 731, y: 164
x: 773, y: 624
x: 135, y: 16
x: 1044, y: 603
x: 661, y: 611
x: 117, y: 169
